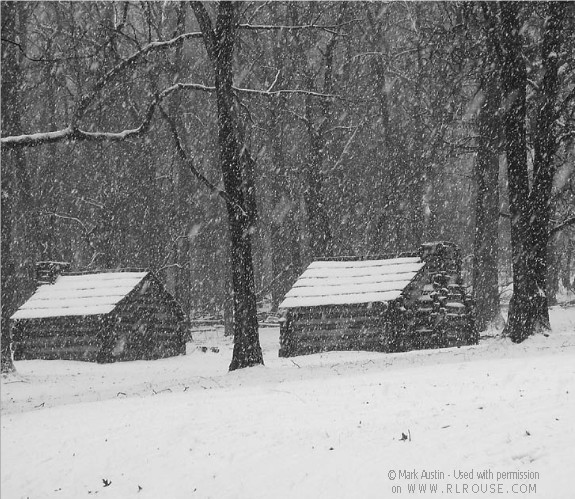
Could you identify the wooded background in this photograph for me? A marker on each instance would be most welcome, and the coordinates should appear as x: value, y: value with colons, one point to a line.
x: 369, y: 126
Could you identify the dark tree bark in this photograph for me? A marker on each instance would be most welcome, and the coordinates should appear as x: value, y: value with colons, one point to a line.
x: 543, y: 168
x: 220, y: 44
x: 520, y: 321
x: 553, y: 262
x: 228, y: 307
x: 318, y: 220
x: 566, y: 269
x: 286, y: 257
x: 530, y: 211
x: 12, y: 161
x: 317, y: 121
x: 486, y: 246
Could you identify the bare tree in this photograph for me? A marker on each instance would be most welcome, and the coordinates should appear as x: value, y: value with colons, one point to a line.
x: 529, y: 205
x: 10, y: 125
x: 486, y: 246
x: 219, y: 41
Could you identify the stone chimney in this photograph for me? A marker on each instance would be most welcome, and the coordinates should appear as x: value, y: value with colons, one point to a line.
x: 48, y: 272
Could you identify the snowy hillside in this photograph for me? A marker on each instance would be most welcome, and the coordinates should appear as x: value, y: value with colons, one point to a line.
x: 334, y: 425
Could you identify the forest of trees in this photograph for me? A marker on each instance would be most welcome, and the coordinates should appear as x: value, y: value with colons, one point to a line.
x: 225, y: 145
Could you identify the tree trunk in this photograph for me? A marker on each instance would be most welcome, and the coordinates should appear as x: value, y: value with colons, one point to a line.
x: 228, y: 305
x: 486, y: 246
x: 317, y: 211
x: 285, y: 252
x: 320, y: 234
x: 530, y: 211
x: 247, y: 351
x: 520, y: 322
x: 566, y: 268
x: 543, y: 167
x: 553, y: 262
x: 12, y: 161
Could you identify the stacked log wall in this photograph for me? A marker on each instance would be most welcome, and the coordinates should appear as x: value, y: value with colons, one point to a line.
x: 151, y: 324
x: 432, y: 312
x: 146, y: 324
x: 368, y: 327
x: 67, y: 337
x: 443, y: 315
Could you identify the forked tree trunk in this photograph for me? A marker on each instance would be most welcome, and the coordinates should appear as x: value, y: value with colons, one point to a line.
x: 530, y: 211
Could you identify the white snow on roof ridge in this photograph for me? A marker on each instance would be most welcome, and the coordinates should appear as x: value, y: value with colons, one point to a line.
x: 82, y: 294
x: 363, y: 263
x: 308, y: 281
x: 352, y: 282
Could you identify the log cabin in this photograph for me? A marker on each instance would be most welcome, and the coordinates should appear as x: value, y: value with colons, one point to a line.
x: 409, y: 302
x: 103, y: 316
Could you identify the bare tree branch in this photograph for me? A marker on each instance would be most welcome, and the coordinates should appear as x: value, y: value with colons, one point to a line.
x: 271, y: 27
x: 171, y: 246
x: 69, y: 134
x: 87, y: 232
x: 566, y: 223
x: 206, y: 26
x: 88, y: 98
x: 188, y: 161
x: 52, y: 59
x: 565, y: 136
x: 301, y: 118
x: 75, y: 134
x: 563, y: 105
x: 347, y: 145
x: 270, y: 88
x: 171, y: 266
x: 68, y: 217
x: 286, y: 91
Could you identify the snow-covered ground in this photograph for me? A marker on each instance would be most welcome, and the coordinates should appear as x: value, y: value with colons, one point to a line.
x: 335, y: 425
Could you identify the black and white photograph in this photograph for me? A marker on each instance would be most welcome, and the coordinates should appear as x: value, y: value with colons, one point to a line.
x: 287, y: 249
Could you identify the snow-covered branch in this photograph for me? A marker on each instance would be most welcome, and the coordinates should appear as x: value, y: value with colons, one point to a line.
x: 75, y: 134
x: 347, y: 145
x: 88, y: 98
x: 273, y: 93
x: 171, y: 246
x: 171, y: 266
x: 273, y: 27
x: 270, y: 88
x: 71, y: 133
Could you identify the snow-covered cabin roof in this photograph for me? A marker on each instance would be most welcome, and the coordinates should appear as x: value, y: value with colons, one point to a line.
x: 348, y: 282
x: 86, y: 294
